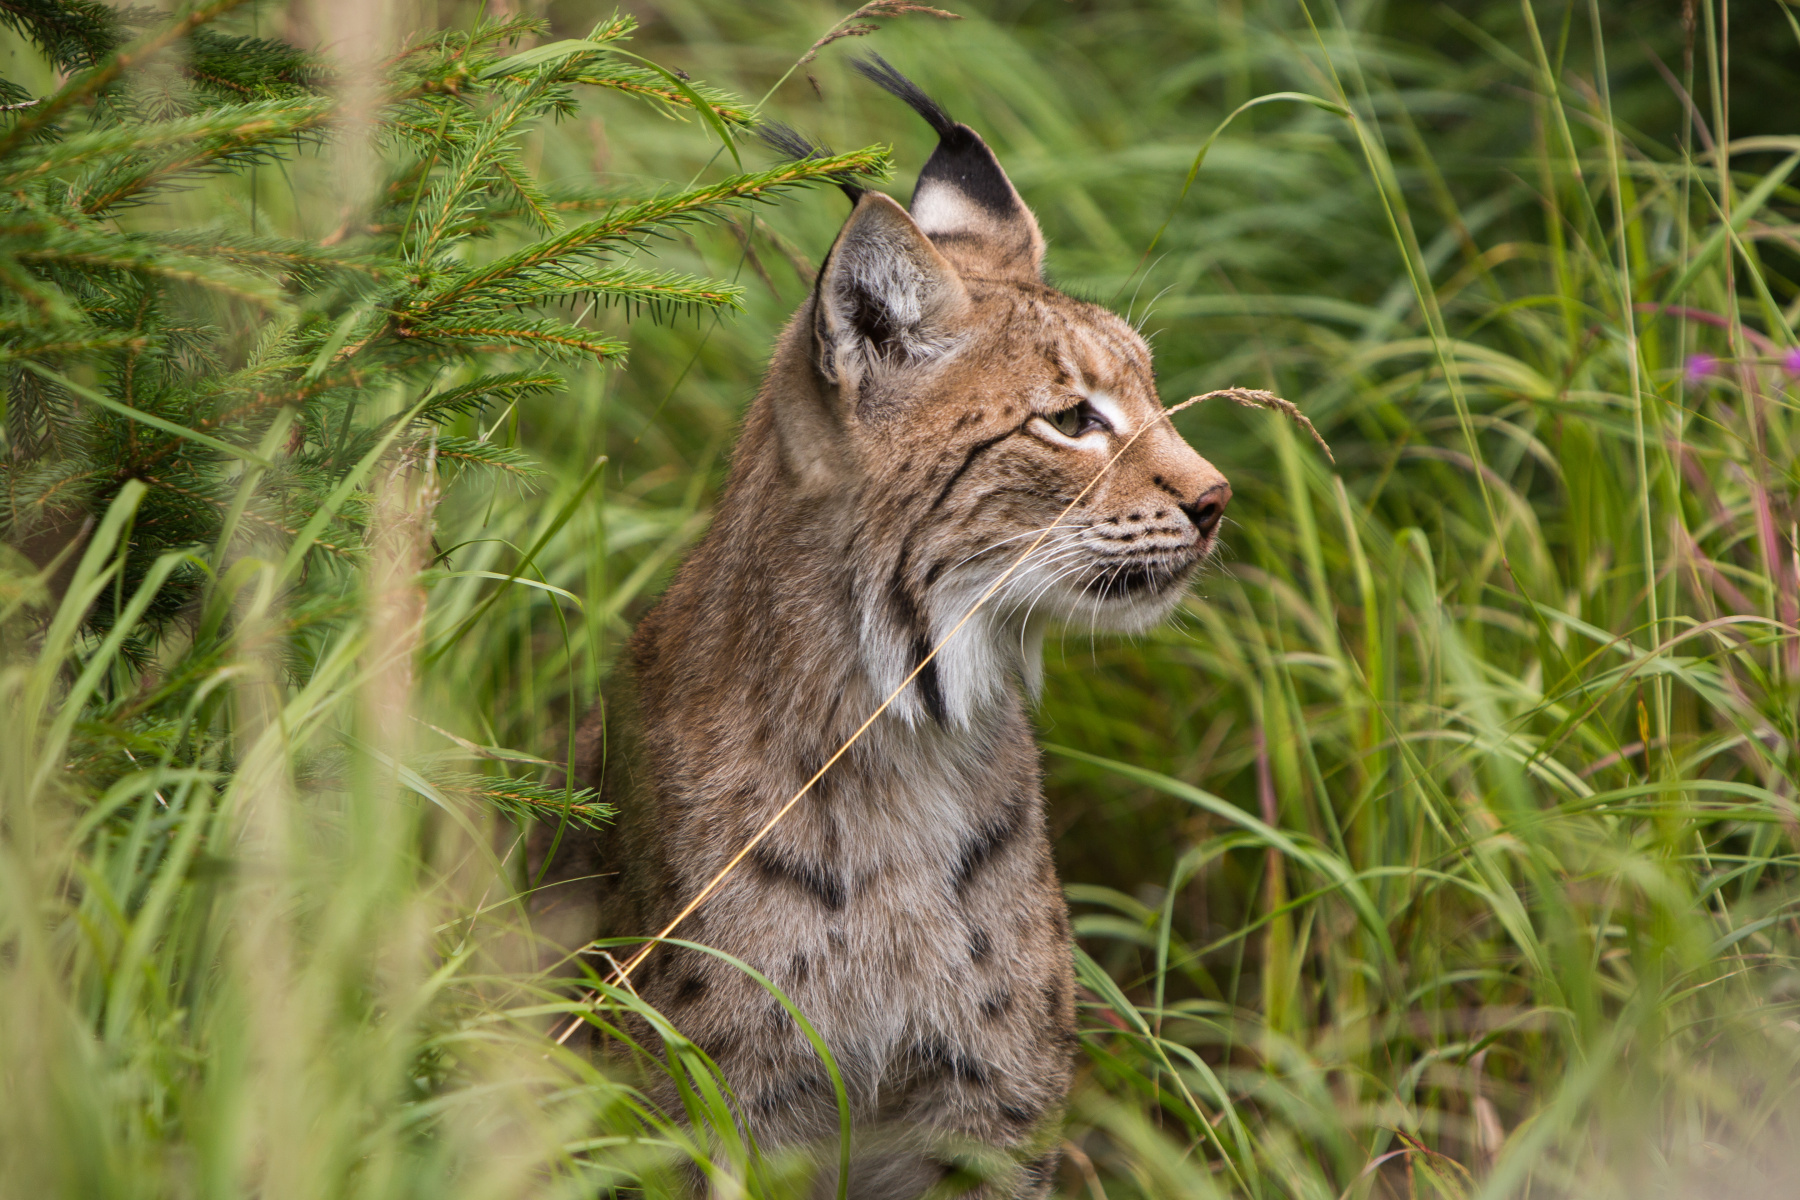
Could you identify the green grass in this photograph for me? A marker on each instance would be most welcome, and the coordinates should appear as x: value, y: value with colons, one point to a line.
x: 1444, y: 846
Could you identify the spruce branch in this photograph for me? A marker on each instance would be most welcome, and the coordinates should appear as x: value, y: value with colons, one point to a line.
x: 300, y: 262
x: 117, y: 252
x: 470, y: 167
x: 72, y: 34
x: 637, y: 220
x: 53, y: 346
x: 478, y: 393
x: 648, y: 85
x: 231, y: 375
x: 532, y: 201
x: 473, y: 453
x: 249, y: 68
x: 217, y: 132
x: 630, y: 287
x: 92, y: 81
x: 555, y: 339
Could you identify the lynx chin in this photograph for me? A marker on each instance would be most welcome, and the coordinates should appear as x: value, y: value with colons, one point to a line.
x: 928, y: 412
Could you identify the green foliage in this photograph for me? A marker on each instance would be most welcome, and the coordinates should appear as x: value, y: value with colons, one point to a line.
x: 1445, y: 847
x: 195, y: 344
x: 71, y: 34
x: 1356, y: 837
x: 223, y: 441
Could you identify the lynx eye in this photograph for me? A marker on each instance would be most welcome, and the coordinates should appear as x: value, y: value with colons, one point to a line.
x: 1075, y: 420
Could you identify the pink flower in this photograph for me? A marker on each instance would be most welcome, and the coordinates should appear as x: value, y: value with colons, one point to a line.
x: 1790, y: 362
x: 1700, y: 367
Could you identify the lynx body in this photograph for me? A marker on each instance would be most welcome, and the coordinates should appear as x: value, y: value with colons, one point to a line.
x: 928, y: 412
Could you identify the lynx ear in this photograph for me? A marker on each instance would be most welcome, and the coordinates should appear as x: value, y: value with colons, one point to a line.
x: 887, y: 299
x: 963, y: 201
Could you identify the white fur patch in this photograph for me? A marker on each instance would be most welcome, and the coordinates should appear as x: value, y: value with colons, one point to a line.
x: 1109, y: 408
x: 944, y: 210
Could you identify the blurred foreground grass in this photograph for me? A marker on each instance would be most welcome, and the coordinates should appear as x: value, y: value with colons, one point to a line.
x: 1445, y: 846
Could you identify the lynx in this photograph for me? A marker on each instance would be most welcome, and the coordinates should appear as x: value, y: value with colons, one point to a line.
x: 931, y: 408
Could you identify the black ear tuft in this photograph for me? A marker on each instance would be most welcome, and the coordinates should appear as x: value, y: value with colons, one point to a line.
x: 790, y: 143
x: 786, y: 141
x: 880, y: 72
x: 963, y: 199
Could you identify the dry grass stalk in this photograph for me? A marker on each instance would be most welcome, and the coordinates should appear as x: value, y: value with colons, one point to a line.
x: 848, y: 27
x: 1257, y: 398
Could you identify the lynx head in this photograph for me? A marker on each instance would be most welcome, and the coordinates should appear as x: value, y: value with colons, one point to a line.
x: 959, y: 404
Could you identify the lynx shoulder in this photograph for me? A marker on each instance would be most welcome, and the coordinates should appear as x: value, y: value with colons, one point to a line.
x: 928, y: 412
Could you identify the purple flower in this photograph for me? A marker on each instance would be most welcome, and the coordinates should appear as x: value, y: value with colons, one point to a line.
x: 1700, y: 368
x: 1790, y: 362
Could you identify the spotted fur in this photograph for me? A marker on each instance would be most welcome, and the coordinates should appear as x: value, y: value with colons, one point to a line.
x: 927, y: 413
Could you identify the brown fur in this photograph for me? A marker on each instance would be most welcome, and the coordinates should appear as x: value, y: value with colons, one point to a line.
x: 898, y: 457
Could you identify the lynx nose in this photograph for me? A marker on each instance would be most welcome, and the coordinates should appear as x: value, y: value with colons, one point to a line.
x: 1206, y: 511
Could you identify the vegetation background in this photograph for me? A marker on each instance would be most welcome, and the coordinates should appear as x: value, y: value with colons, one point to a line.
x: 1445, y: 846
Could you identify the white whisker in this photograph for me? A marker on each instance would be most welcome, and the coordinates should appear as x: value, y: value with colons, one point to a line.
x: 1070, y: 531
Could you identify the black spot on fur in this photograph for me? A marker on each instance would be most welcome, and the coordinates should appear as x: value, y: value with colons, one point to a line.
x: 912, y: 625
x: 1018, y: 1115
x: 1059, y: 1021
x: 786, y: 1094
x: 980, y: 945
x: 799, y: 967
x: 717, y: 1047
x: 996, y: 1006
x: 954, y: 1179
x: 987, y: 842
x: 811, y: 877
x: 690, y: 989
x: 931, y: 688
x: 934, y: 1056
